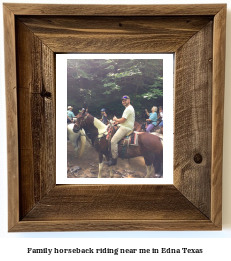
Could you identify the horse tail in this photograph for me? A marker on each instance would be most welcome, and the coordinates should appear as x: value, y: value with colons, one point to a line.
x: 82, y: 143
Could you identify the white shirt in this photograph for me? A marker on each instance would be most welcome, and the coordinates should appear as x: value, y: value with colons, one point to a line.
x: 129, y: 115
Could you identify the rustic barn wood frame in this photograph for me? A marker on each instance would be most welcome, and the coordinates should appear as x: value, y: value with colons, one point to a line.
x: 34, y: 33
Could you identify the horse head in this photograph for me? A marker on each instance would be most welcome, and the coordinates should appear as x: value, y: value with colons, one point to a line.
x: 81, y: 121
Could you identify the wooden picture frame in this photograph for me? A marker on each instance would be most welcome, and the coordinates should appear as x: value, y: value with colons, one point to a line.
x: 33, y: 34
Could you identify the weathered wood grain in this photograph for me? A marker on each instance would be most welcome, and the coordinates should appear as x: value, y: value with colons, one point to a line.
x: 141, y: 202
x: 194, y: 201
x: 218, y: 115
x: 114, y: 10
x: 30, y: 113
x: 48, y: 149
x: 193, y: 113
x: 36, y: 107
x: 114, y: 225
x: 48, y: 167
x: 12, y: 120
x: 115, y: 34
x: 77, y: 25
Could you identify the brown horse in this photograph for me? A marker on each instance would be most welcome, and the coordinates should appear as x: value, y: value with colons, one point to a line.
x: 137, y: 126
x: 149, y: 146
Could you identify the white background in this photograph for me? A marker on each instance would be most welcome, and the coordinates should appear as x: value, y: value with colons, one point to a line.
x: 215, y: 244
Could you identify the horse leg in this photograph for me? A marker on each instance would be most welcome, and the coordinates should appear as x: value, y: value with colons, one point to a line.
x: 81, y: 141
x: 111, y: 172
x: 76, y: 152
x: 149, y: 171
x: 101, y: 163
x: 149, y: 168
x: 74, y: 144
x: 100, y: 169
x: 158, y: 165
x: 161, y: 171
x: 107, y: 156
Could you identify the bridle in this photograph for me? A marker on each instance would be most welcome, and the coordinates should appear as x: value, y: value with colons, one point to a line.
x: 81, y: 122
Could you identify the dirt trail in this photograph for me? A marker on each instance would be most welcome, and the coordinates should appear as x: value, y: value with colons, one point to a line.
x: 89, y: 164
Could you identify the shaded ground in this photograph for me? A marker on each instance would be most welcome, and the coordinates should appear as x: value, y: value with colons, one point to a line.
x: 89, y: 165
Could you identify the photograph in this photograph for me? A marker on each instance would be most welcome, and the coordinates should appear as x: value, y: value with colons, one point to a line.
x: 115, y: 118
x: 115, y: 105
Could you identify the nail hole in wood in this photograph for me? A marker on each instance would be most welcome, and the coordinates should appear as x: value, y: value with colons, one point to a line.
x: 198, y: 158
x: 120, y: 24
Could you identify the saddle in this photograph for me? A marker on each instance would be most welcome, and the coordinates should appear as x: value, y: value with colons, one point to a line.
x: 131, y: 138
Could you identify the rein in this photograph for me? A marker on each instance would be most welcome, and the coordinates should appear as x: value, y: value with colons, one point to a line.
x: 94, y: 139
x: 83, y: 121
x: 98, y: 134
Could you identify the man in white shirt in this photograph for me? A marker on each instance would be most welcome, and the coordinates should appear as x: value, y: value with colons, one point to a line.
x: 126, y: 125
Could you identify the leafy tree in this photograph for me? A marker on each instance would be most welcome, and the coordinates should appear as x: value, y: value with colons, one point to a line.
x: 98, y: 83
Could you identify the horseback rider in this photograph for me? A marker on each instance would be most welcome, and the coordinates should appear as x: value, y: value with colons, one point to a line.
x: 126, y: 125
x: 70, y: 115
x: 152, y: 118
x: 104, y: 116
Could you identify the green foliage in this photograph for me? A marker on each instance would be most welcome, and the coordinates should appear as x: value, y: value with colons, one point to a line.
x: 100, y: 83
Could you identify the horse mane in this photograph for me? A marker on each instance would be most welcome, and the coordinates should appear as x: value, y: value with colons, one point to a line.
x: 102, y: 128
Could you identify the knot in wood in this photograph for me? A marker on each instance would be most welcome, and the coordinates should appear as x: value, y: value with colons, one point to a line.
x: 45, y: 94
x: 198, y: 158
